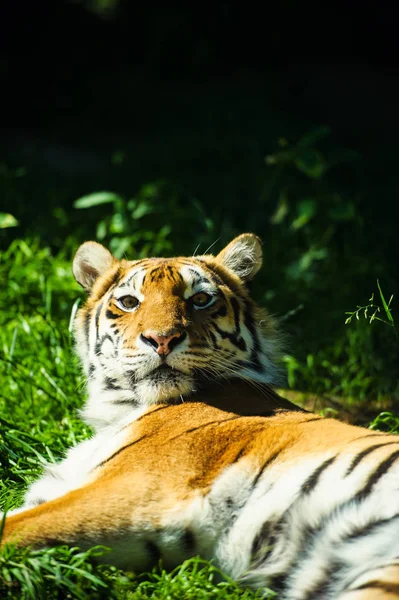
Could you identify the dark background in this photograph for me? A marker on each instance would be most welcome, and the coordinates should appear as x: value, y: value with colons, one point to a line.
x: 115, y: 95
x: 81, y: 80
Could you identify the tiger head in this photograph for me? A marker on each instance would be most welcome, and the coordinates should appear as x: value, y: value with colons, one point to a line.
x: 157, y: 329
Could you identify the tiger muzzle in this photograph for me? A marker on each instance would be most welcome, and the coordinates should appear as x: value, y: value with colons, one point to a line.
x: 163, y: 344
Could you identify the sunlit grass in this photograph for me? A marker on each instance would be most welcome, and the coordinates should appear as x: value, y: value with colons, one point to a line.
x: 59, y: 572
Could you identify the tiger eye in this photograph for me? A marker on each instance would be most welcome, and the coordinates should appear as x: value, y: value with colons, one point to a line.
x: 201, y: 299
x: 128, y: 302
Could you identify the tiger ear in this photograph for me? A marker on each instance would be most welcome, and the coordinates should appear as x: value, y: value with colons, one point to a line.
x: 90, y: 261
x: 243, y: 256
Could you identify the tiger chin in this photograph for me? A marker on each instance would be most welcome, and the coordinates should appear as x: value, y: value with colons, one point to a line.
x: 161, y: 330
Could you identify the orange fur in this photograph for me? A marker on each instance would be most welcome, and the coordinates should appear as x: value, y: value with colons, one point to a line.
x: 174, y: 453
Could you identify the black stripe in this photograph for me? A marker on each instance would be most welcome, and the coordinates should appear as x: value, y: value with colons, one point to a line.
x: 100, y: 342
x: 142, y: 263
x: 111, y: 315
x: 313, y: 479
x: 131, y: 280
x: 197, y: 278
x: 214, y: 340
x: 108, y: 284
x: 188, y: 542
x: 123, y: 401
x: 256, y: 365
x: 229, y: 502
x: 97, y: 317
x: 111, y: 384
x: 369, y: 528
x: 196, y: 345
x: 277, y: 583
x: 131, y: 375
x: 190, y: 353
x: 213, y: 274
x: 87, y: 326
x: 121, y: 450
x: 384, y: 586
x: 359, y: 457
x: 220, y: 312
x: 232, y: 337
x: 156, y: 273
x: 153, y: 551
x: 267, y: 535
x: 320, y: 591
x: 115, y: 278
x: 379, y: 472
x: 239, y: 454
x: 148, y: 414
x: 369, y: 435
x: 236, y: 310
x: 174, y: 274
x: 271, y: 459
x: 204, y: 425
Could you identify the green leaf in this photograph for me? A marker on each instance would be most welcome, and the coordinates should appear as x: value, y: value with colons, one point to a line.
x: 306, y: 210
x: 132, y: 203
x: 386, y: 305
x: 118, y: 157
x: 7, y: 220
x: 101, y: 230
x: 96, y: 199
x: 310, y: 162
x: 117, y: 224
x: 144, y: 208
x: 343, y: 212
x: 119, y: 246
x: 314, y: 136
x: 281, y: 211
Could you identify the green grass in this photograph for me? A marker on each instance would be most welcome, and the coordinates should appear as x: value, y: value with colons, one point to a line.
x: 60, y: 572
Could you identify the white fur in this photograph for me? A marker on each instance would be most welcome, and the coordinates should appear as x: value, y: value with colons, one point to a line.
x: 77, y: 468
x: 243, y: 256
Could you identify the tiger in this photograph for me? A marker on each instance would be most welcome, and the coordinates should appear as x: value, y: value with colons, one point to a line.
x: 195, y: 453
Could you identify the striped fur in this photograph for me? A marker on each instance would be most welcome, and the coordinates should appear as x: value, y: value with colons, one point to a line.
x: 204, y: 458
x: 305, y: 505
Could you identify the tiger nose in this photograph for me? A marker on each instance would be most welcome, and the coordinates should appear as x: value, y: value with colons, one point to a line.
x: 163, y: 344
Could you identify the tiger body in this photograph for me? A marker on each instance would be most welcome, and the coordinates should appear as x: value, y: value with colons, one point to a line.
x: 303, y: 504
x: 194, y: 454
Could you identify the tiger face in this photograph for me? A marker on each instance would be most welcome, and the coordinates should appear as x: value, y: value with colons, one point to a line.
x: 158, y: 329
